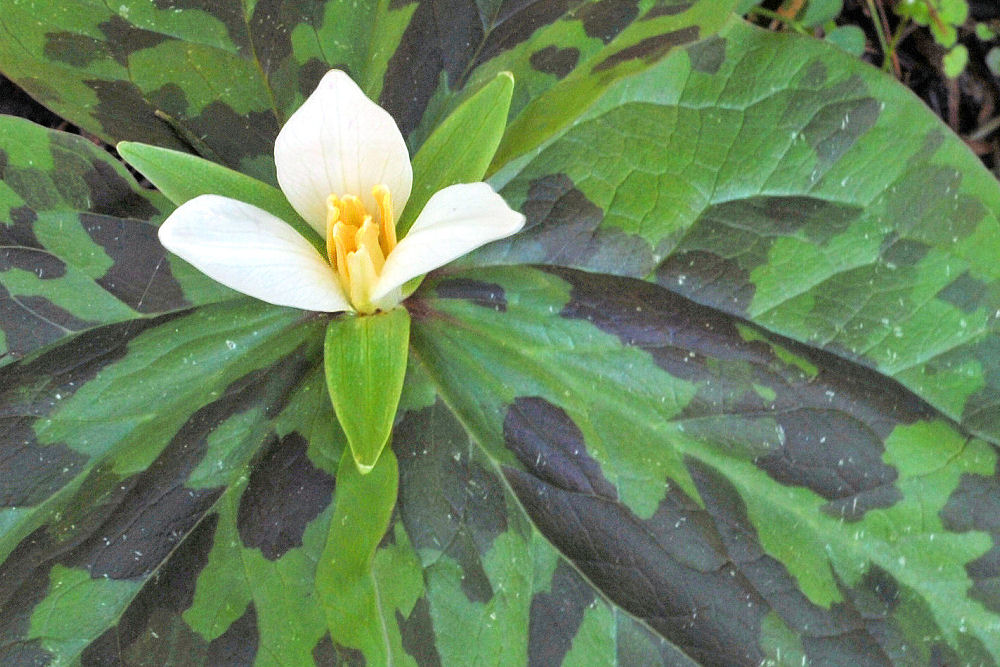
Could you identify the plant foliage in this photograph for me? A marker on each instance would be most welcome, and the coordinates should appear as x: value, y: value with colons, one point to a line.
x: 731, y: 397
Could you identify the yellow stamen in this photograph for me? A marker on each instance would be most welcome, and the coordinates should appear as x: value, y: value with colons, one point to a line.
x: 363, y: 276
x: 384, y: 203
x: 332, y: 218
x: 352, y: 210
x: 343, y: 236
x: 357, y: 243
x: 366, y: 240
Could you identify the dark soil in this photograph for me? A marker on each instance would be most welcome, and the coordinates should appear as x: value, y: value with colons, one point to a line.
x: 15, y: 102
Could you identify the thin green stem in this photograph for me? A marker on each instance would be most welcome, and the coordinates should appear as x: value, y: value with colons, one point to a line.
x: 775, y: 16
x: 880, y: 31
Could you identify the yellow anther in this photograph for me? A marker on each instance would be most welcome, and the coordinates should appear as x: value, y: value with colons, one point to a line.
x: 343, y: 241
x: 383, y: 200
x: 332, y: 218
x: 352, y: 211
x: 366, y: 239
x: 357, y: 243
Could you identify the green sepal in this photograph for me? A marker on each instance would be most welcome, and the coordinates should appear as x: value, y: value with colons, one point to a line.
x: 182, y: 176
x: 344, y: 584
x: 365, y: 359
x: 461, y: 148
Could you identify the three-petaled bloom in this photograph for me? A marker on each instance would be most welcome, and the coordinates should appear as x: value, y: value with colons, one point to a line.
x: 343, y: 165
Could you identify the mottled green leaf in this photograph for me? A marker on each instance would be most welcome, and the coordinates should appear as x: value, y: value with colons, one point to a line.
x: 110, y: 471
x: 78, y: 245
x: 489, y: 572
x: 746, y: 498
x: 220, y: 78
x: 626, y: 49
x: 749, y: 173
x: 592, y: 469
x: 820, y: 12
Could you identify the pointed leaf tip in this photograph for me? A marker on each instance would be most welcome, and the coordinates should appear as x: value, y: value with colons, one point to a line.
x: 461, y: 147
x: 365, y: 361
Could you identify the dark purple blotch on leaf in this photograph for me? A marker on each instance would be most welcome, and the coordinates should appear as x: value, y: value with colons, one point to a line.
x: 858, y: 629
x: 564, y: 227
x: 30, y: 322
x: 707, y: 276
x: 843, y: 112
x: 285, y: 492
x: 902, y: 251
x: 575, y: 507
x: 21, y: 249
x: 832, y: 427
x: 417, y: 634
x: 23, y: 584
x: 487, y: 295
x: 327, y: 653
x: 448, y: 499
x: 150, y: 512
x: 649, y: 49
x: 140, y: 275
x: 974, y: 505
x: 122, y: 110
x: 110, y: 192
x: 604, y: 19
x: 554, y: 60
x: 122, y: 38
x: 707, y: 55
x: 31, y: 472
x: 237, y: 646
x: 543, y: 437
x: 555, y: 616
x: 74, y: 49
x: 152, y: 620
x: 667, y: 8
x: 452, y: 38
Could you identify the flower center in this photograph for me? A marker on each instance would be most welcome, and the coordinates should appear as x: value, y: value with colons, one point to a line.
x: 357, y: 243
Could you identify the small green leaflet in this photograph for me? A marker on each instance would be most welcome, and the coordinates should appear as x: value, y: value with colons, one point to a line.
x: 182, y: 176
x: 461, y: 147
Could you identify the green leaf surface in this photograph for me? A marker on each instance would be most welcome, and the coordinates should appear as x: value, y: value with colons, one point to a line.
x: 182, y: 176
x: 819, y: 12
x: 365, y: 362
x: 730, y: 399
x: 461, y: 147
x: 850, y: 38
x: 660, y: 31
x: 97, y: 500
x: 356, y: 602
x: 78, y: 246
x: 748, y: 498
x: 764, y: 191
x: 219, y: 79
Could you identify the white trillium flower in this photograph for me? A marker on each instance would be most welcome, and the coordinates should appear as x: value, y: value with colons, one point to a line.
x: 343, y: 165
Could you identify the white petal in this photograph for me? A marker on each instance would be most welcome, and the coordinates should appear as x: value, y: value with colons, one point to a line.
x: 340, y: 142
x: 455, y: 221
x: 253, y: 252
